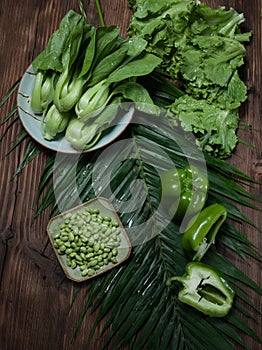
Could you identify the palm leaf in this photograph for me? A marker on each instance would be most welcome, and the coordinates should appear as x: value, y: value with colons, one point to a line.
x: 132, y: 299
x: 9, y: 116
x: 136, y: 290
x: 10, y: 93
x: 32, y: 150
x: 19, y: 138
x: 46, y: 177
x: 118, y: 294
x: 137, y: 309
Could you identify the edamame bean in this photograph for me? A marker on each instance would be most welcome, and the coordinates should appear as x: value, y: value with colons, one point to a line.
x: 71, y: 236
x: 90, y: 272
x: 88, y: 239
x: 73, y: 264
x: 114, y: 251
x: 84, y: 272
x: 92, y: 263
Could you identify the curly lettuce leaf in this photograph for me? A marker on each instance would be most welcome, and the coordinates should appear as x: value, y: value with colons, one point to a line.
x: 202, y: 49
x: 161, y: 23
x: 209, y: 68
x: 214, y: 127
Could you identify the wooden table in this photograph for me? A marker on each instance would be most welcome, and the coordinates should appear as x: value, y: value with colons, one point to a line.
x: 34, y: 294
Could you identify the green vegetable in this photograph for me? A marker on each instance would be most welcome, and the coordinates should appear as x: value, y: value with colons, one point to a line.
x: 214, y: 128
x: 88, y: 243
x: 200, y: 46
x: 84, y: 134
x: 53, y: 57
x: 202, y: 49
x: 162, y: 24
x: 81, y: 135
x: 107, y: 65
x: 140, y: 66
x: 107, y: 40
x: 93, y: 101
x: 205, y: 290
x: 96, y: 97
x: 184, y: 191
x: 60, y: 54
x: 133, y: 91
x: 72, y: 80
x: 84, y: 46
x: 43, y: 91
x: 90, y: 68
x: 202, y: 229
x: 54, y: 122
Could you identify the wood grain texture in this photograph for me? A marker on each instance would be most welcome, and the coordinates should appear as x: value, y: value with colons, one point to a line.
x: 34, y: 293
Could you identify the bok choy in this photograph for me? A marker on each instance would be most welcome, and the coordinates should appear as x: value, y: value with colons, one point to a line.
x: 80, y: 72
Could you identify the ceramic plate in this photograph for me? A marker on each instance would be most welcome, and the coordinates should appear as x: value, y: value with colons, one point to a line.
x: 105, y: 209
x: 32, y: 122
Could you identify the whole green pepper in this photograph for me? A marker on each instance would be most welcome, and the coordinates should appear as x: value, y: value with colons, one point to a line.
x: 205, y: 290
x: 184, y: 190
x: 202, y: 229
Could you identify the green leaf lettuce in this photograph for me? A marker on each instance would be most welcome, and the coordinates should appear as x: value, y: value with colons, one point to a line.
x: 213, y: 127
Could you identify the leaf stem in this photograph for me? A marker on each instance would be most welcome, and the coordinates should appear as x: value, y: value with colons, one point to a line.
x: 81, y: 8
x: 100, y: 14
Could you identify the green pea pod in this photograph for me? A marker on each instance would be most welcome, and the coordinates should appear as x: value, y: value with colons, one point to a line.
x: 205, y: 290
x: 184, y: 191
x: 202, y: 229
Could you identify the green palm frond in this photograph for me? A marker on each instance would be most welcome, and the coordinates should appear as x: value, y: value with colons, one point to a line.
x: 12, y: 113
x: 9, y: 94
x: 32, y: 150
x: 132, y: 300
x: 21, y: 136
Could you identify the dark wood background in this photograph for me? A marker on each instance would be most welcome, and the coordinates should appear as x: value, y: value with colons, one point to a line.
x: 34, y: 293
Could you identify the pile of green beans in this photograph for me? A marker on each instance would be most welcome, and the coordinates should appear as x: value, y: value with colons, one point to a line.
x: 88, y: 239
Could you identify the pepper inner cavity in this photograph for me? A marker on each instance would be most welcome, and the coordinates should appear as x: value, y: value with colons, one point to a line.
x: 211, y: 294
x: 209, y: 238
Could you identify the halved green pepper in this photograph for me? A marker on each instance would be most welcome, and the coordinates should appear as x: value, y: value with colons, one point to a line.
x: 205, y: 290
x: 184, y: 191
x: 202, y: 229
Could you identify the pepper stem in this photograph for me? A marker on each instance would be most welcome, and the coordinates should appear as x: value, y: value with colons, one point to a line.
x: 174, y: 278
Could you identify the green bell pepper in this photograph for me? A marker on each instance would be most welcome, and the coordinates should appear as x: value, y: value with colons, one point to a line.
x: 205, y: 290
x: 202, y: 229
x: 184, y: 191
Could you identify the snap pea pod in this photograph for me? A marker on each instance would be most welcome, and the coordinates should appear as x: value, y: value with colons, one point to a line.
x: 88, y: 240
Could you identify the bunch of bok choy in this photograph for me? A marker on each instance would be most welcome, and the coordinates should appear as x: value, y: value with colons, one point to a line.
x: 82, y: 70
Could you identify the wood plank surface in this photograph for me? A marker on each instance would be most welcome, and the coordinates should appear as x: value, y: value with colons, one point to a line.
x: 34, y: 293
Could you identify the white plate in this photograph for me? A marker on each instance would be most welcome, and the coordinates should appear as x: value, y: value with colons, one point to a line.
x: 32, y: 122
